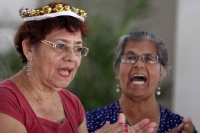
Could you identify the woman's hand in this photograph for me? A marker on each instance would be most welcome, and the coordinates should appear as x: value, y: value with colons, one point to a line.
x: 186, y: 125
x: 144, y: 126
x: 118, y: 127
x: 111, y: 128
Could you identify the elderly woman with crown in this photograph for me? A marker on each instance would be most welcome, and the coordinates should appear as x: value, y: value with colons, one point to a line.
x: 50, y: 44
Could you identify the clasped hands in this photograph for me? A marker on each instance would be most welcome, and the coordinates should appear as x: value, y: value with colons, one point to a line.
x: 144, y: 126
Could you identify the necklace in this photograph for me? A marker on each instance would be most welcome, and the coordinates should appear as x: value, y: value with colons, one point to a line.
x: 157, y: 127
x: 128, y: 121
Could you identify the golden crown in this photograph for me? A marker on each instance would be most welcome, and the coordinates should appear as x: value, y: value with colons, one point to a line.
x: 58, y: 9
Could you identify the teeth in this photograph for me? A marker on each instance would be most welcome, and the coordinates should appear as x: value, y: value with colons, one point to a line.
x: 64, y: 72
x: 138, y: 82
x: 138, y: 75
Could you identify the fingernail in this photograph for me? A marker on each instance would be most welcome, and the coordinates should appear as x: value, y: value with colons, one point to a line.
x: 120, y: 124
x: 126, y: 128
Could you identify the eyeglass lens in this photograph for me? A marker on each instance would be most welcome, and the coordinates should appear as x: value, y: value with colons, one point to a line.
x: 146, y: 58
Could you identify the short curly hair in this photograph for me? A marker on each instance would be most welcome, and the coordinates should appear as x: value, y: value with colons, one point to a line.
x: 37, y: 30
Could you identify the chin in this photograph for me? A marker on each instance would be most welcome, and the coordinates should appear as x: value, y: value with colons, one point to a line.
x: 62, y: 85
x: 65, y: 85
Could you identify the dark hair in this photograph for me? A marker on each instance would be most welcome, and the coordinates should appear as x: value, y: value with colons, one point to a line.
x: 140, y: 36
x: 37, y: 30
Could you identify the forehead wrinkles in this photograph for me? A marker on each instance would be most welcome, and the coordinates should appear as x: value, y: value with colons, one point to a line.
x: 63, y: 34
x: 140, y: 47
x: 70, y: 41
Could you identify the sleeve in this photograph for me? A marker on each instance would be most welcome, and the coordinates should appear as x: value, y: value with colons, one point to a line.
x: 81, y: 111
x: 9, y: 104
x: 95, y: 119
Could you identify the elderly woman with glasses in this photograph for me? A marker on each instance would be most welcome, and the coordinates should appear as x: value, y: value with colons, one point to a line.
x: 50, y: 44
x: 141, y: 63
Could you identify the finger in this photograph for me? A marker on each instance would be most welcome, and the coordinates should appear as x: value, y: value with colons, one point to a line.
x: 105, y: 127
x: 146, y: 129
x: 111, y: 128
x: 127, y: 129
x: 149, y: 128
x: 188, y: 125
x: 143, y: 123
x: 121, y: 118
x: 188, y: 128
x: 177, y: 129
x: 116, y: 128
x: 187, y: 120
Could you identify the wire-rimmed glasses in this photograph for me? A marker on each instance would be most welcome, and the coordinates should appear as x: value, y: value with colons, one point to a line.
x: 146, y: 58
x: 78, y: 50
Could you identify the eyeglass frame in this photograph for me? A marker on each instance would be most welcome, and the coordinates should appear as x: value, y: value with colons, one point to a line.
x: 142, y: 58
x: 53, y: 45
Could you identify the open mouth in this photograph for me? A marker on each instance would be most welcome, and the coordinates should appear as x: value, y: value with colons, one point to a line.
x: 65, y: 72
x: 138, y: 79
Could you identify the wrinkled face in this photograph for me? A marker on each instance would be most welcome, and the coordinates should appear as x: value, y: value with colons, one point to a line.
x: 140, y: 79
x: 56, y: 70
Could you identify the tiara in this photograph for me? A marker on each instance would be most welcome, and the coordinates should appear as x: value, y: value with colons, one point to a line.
x: 49, y: 12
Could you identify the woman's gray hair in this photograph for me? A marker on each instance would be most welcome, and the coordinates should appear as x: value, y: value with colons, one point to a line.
x: 141, y: 36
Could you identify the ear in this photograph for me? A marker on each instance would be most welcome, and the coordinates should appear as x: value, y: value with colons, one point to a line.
x: 117, y: 69
x: 162, y: 72
x: 27, y: 49
x: 117, y: 74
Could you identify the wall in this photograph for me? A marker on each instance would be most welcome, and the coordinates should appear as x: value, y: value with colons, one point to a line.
x: 159, y: 19
x: 9, y: 14
x: 187, y: 62
x: 178, y: 23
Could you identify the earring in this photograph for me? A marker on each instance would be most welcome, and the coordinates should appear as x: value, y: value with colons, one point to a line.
x: 118, y: 88
x: 158, y: 92
x: 29, y: 68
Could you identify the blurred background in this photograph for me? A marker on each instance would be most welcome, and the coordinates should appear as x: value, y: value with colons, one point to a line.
x: 176, y: 22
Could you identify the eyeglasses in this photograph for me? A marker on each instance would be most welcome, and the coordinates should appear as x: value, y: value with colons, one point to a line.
x: 79, y: 51
x: 146, y: 58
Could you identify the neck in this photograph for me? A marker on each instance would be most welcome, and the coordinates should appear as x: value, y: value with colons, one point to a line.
x: 29, y: 85
x: 136, y: 110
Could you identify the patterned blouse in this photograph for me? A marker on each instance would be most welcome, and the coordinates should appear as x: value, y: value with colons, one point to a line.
x: 96, y: 118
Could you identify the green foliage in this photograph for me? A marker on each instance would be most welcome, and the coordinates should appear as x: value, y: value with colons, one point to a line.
x: 95, y: 81
x: 10, y: 64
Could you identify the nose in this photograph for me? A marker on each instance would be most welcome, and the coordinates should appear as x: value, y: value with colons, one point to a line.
x: 139, y: 62
x: 71, y: 49
x: 70, y: 55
